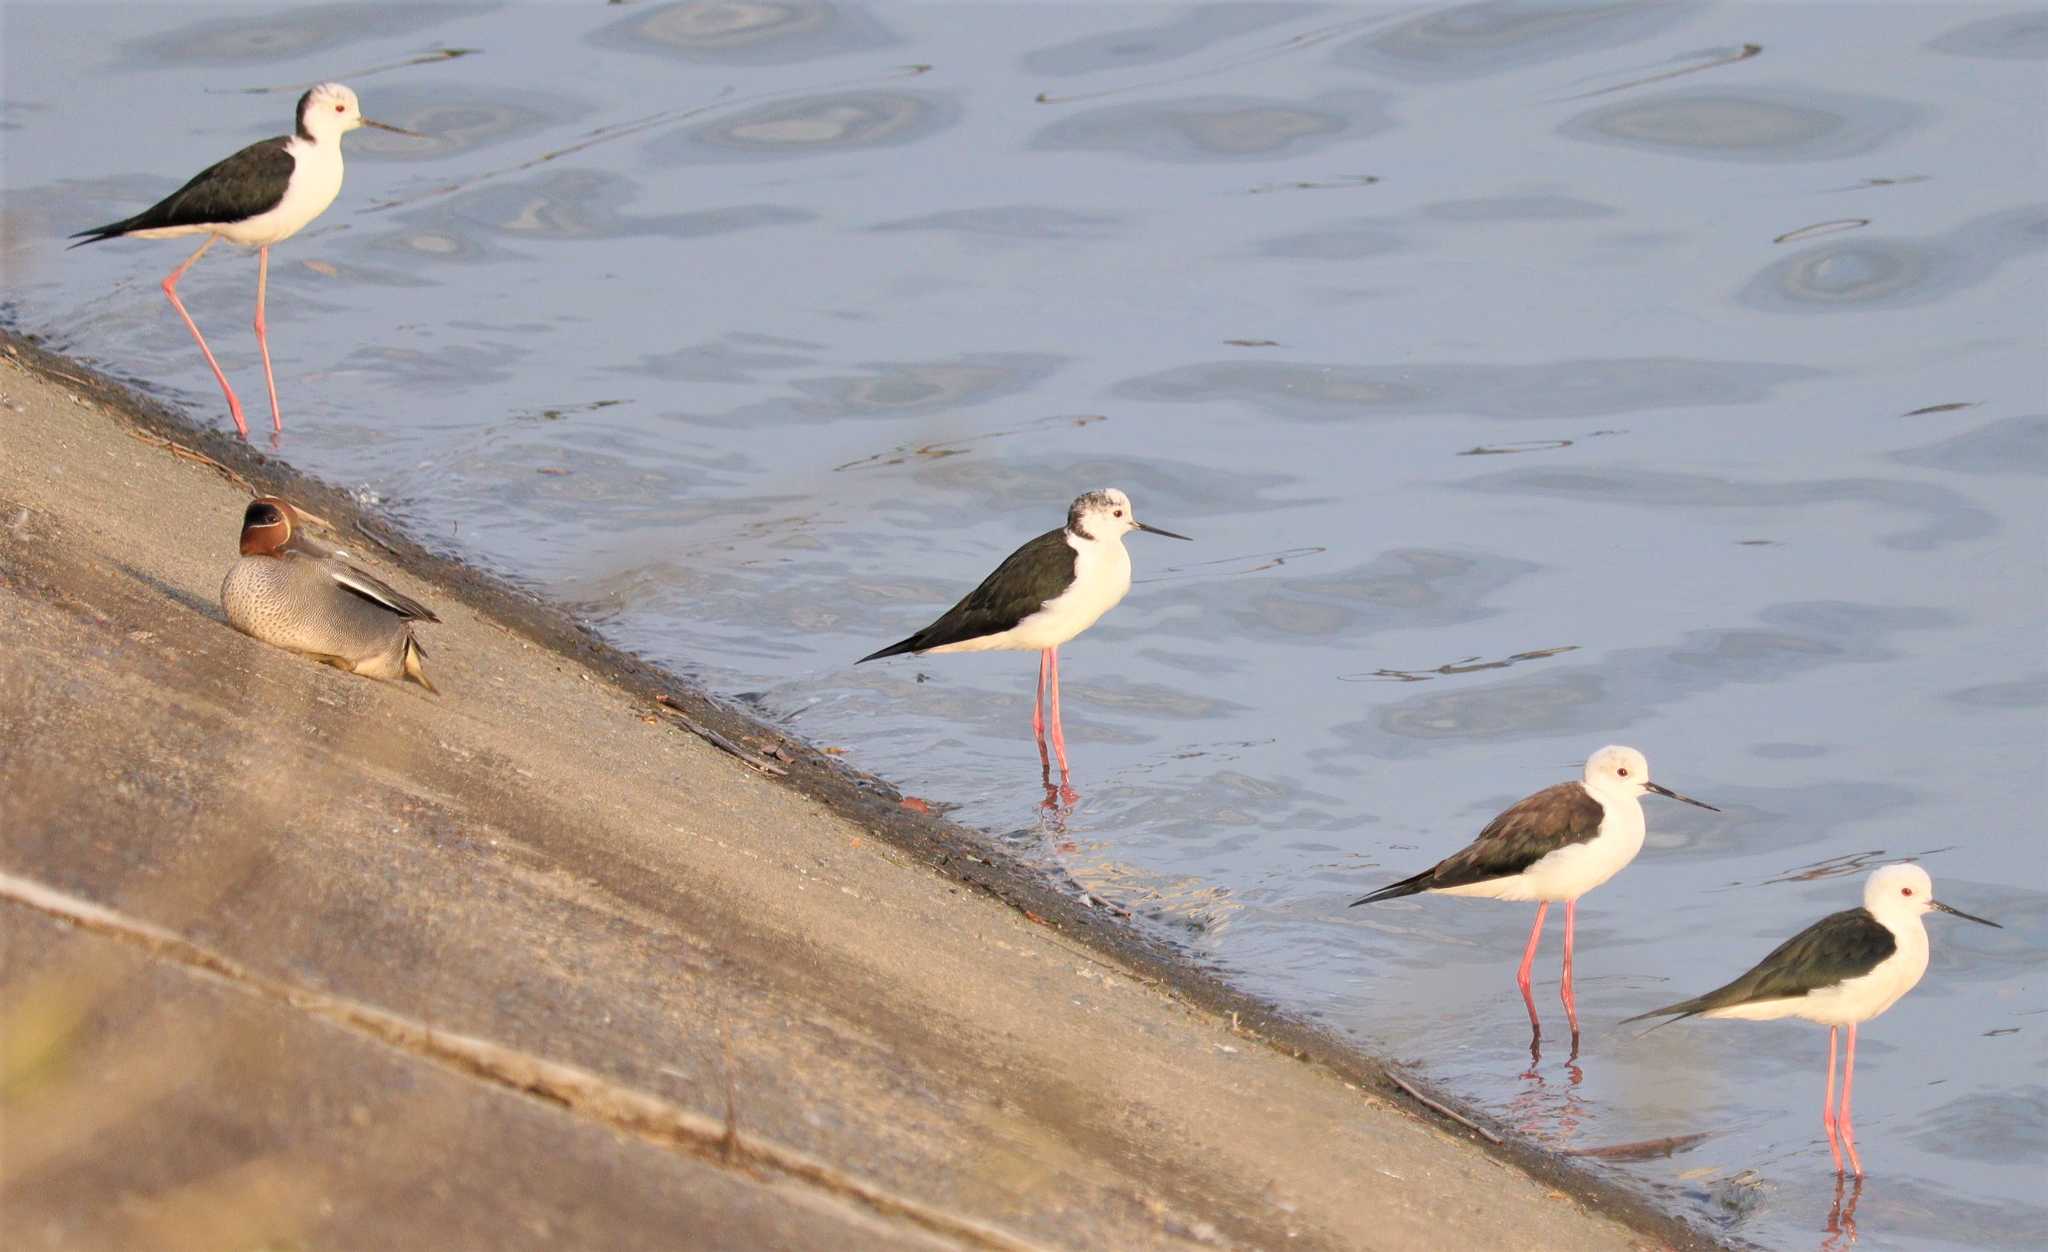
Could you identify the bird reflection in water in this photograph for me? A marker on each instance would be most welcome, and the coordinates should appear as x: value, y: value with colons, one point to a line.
x: 1060, y: 796
x: 1841, y: 1227
x: 1550, y: 1114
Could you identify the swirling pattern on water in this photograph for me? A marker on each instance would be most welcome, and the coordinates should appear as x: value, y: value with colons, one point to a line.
x: 1530, y: 376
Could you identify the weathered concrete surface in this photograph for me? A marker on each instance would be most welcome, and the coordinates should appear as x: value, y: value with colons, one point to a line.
x: 528, y: 966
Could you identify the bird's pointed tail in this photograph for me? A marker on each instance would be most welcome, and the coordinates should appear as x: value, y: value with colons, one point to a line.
x: 895, y: 649
x: 1671, y: 1012
x: 1394, y: 891
x: 112, y: 230
x: 414, y: 655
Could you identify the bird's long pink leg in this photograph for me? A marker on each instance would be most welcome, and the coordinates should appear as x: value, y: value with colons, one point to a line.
x: 1849, y: 1127
x: 262, y: 337
x: 171, y: 290
x: 1038, y: 703
x: 1571, y: 1001
x: 1529, y: 961
x: 1059, y: 732
x: 1827, y: 1107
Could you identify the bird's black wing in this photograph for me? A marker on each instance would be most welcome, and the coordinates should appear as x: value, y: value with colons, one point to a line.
x: 1526, y: 832
x: 1834, y: 949
x: 1015, y: 591
x: 247, y: 184
x: 378, y: 592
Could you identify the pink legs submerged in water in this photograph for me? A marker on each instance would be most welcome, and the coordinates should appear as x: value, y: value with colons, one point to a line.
x: 262, y: 335
x: 1841, y: 1133
x: 1049, y: 682
x: 1841, y: 1227
x: 1565, y: 991
x: 1529, y: 962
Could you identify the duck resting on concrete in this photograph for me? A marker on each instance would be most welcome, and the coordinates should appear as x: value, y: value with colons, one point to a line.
x: 299, y: 595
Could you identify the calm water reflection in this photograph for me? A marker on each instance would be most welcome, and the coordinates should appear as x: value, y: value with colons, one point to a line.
x: 1532, y: 376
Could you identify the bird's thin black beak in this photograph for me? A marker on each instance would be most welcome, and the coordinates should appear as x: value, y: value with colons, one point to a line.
x: 1968, y: 917
x: 1154, y: 530
x: 1669, y: 794
x: 396, y: 130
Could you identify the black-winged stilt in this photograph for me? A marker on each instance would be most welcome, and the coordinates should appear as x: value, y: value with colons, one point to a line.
x: 1555, y: 845
x: 1042, y: 595
x: 1843, y: 970
x: 262, y: 195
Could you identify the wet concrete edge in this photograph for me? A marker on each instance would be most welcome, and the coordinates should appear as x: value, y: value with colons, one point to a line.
x: 963, y: 855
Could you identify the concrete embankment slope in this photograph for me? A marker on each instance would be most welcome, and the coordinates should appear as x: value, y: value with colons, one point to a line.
x: 293, y: 959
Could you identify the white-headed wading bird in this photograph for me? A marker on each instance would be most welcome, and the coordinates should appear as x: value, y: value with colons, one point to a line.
x: 1841, y: 971
x: 262, y: 195
x: 1042, y: 595
x: 1555, y: 845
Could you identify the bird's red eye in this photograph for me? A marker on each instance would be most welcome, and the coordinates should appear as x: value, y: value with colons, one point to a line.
x: 341, y: 108
x: 1905, y: 891
x: 1118, y: 513
x: 1623, y: 771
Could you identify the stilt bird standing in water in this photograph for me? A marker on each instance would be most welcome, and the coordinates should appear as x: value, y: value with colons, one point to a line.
x: 1555, y: 845
x: 262, y: 195
x: 1841, y: 971
x: 1042, y: 595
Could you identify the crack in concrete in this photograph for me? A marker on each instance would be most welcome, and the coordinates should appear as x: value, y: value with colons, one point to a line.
x: 572, y: 1089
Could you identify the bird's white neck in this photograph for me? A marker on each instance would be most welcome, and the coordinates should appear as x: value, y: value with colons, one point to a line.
x: 1610, y: 797
x: 1621, y: 813
x: 1102, y: 569
x: 1906, y: 924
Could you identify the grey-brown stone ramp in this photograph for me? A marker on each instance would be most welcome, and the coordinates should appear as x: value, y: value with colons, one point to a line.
x: 294, y: 960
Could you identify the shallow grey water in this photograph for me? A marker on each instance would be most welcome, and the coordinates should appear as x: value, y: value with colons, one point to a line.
x: 1531, y: 376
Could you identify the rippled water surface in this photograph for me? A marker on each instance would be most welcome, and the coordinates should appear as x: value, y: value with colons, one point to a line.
x: 1531, y: 376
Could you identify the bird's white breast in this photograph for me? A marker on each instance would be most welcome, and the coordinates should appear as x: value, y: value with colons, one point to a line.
x: 1102, y: 574
x: 316, y: 181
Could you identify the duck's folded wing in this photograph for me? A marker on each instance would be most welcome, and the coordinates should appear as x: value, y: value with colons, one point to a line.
x: 377, y: 591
